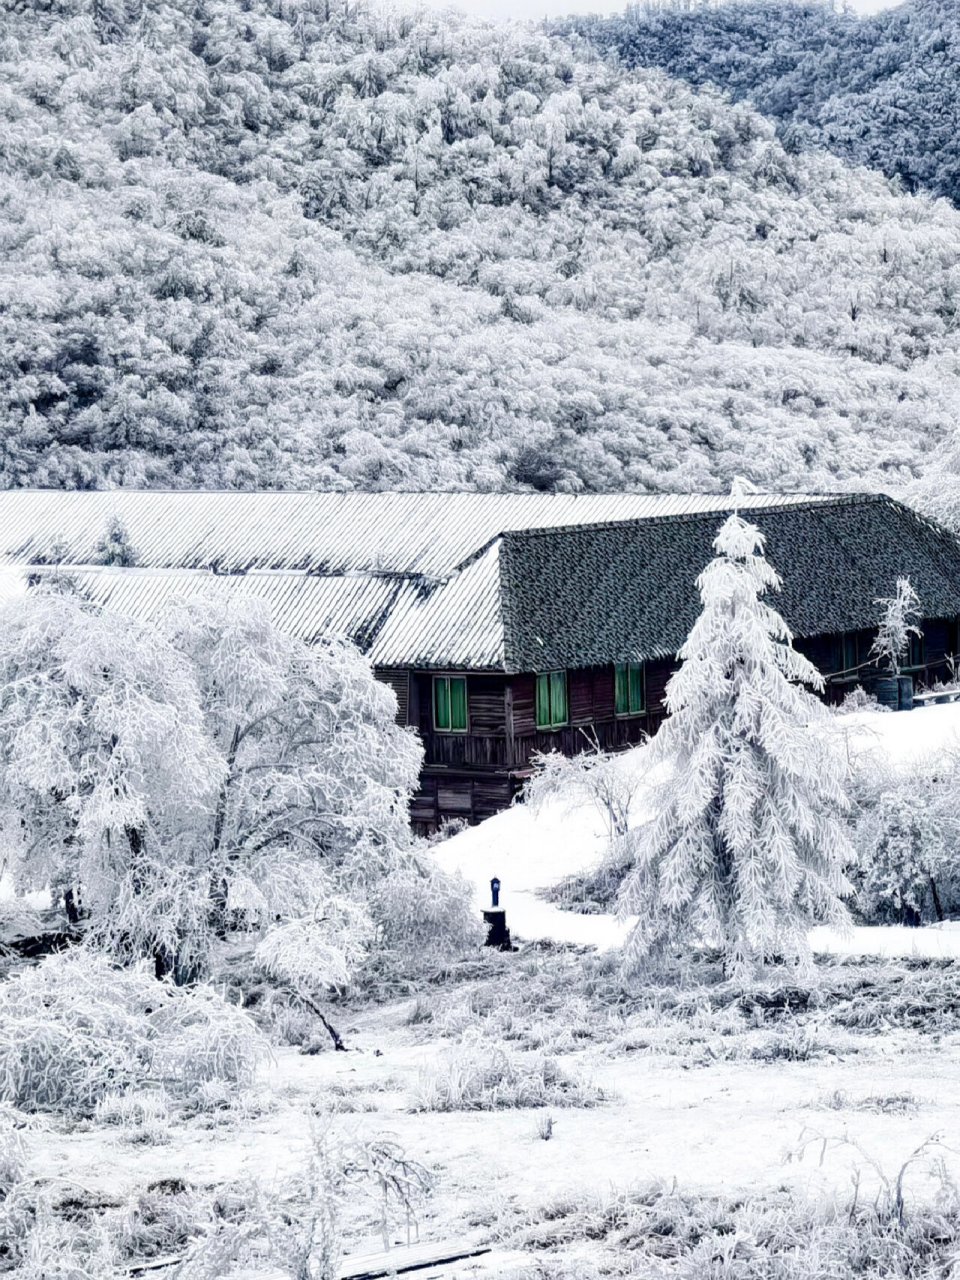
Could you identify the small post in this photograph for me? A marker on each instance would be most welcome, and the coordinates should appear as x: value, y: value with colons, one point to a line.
x: 498, y: 935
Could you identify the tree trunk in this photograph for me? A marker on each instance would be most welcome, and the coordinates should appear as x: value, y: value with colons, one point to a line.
x: 219, y: 884
x: 937, y: 904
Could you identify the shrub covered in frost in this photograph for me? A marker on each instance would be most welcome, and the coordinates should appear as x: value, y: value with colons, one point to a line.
x: 75, y: 1029
x: 481, y: 1075
x: 422, y: 915
x: 906, y: 832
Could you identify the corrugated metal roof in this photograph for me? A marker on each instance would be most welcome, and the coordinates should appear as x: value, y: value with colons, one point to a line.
x: 302, y: 605
x: 397, y: 621
x: 427, y: 534
x: 458, y: 624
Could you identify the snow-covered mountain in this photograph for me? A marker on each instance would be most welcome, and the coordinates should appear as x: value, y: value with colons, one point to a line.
x: 277, y: 245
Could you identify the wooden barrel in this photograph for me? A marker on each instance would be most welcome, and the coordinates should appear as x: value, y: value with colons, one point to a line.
x: 886, y: 690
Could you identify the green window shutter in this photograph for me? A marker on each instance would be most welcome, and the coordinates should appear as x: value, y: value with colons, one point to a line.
x: 629, y: 688
x: 622, y: 690
x: 543, y: 702
x: 441, y: 702
x: 458, y: 704
x: 558, y: 698
x: 636, y: 687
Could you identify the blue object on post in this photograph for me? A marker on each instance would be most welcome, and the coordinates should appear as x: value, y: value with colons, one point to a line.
x: 498, y: 935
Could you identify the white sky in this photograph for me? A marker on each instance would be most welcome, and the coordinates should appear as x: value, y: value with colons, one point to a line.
x: 554, y: 8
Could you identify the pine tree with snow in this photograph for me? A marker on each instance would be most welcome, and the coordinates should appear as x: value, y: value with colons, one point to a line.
x: 897, y: 625
x: 115, y: 547
x: 748, y: 843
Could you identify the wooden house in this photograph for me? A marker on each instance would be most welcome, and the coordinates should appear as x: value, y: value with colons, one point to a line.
x: 505, y: 624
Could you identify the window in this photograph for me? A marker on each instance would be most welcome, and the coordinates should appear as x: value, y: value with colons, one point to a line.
x: 630, y: 686
x: 450, y: 704
x: 917, y: 655
x: 552, y: 700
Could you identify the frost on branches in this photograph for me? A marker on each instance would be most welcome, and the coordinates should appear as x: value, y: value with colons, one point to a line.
x: 897, y: 625
x: 748, y: 844
x: 160, y: 776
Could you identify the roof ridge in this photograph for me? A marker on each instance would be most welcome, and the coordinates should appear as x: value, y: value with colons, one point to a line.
x: 816, y: 503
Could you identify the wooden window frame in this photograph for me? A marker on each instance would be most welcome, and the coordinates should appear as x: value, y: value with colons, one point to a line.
x: 447, y: 678
x: 554, y: 724
x: 631, y: 712
x: 921, y: 643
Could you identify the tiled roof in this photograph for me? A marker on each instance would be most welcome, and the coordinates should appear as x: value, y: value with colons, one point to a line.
x: 614, y: 592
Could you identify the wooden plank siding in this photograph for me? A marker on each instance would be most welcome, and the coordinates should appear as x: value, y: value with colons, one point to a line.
x: 397, y: 679
x: 831, y: 656
x: 475, y: 774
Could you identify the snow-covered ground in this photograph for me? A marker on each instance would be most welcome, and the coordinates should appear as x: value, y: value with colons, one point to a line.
x: 530, y: 851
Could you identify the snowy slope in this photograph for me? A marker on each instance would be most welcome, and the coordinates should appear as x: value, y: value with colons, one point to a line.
x: 530, y: 851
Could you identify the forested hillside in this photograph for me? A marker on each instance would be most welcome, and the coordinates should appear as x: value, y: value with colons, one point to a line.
x: 882, y: 90
x: 290, y: 244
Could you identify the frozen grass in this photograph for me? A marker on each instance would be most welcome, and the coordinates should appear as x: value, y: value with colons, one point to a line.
x: 76, y: 1029
x: 887, y: 1104
x: 11, y: 1151
x: 482, y: 1075
x: 139, y: 1116
x: 557, y: 1001
x: 291, y: 1228
x: 659, y: 1231
x: 591, y: 892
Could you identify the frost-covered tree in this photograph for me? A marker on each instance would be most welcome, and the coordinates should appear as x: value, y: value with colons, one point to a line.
x: 747, y: 844
x: 907, y: 836
x: 593, y: 777
x: 317, y: 769
x: 897, y: 624
x: 106, y: 770
x: 115, y: 547
x: 351, y: 239
x: 160, y: 774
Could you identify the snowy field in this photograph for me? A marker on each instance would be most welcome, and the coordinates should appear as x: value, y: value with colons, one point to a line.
x: 667, y: 1102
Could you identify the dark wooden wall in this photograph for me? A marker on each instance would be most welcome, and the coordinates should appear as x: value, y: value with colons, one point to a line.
x: 474, y: 775
x: 826, y: 652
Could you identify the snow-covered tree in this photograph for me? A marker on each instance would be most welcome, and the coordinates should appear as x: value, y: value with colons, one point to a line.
x: 261, y: 322
x: 106, y: 770
x: 317, y: 769
x: 593, y: 777
x: 747, y: 844
x: 907, y: 835
x: 115, y: 547
x: 897, y: 624
x: 157, y: 774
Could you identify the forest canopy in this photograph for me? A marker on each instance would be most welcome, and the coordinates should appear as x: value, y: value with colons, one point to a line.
x: 881, y: 90
x: 290, y: 243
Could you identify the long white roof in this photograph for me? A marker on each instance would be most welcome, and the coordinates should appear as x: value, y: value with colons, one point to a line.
x: 425, y: 534
x: 414, y: 578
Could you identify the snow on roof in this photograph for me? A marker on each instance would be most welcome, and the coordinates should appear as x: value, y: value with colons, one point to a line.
x: 424, y: 534
x: 514, y: 582
x: 13, y: 583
